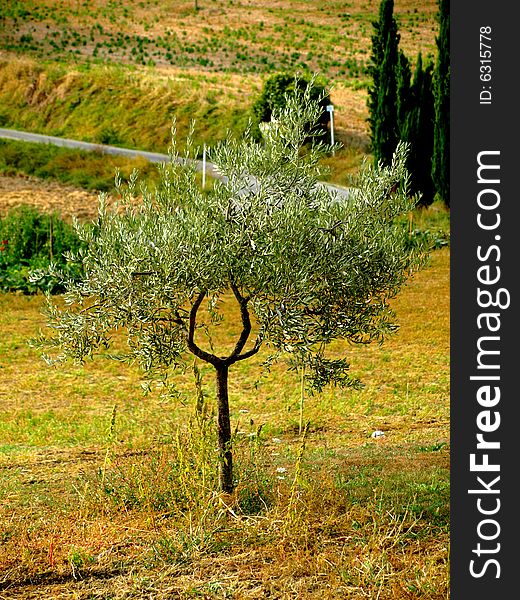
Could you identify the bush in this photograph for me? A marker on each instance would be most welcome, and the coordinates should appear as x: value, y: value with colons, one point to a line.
x: 32, y: 241
x: 19, y: 156
x: 274, y: 96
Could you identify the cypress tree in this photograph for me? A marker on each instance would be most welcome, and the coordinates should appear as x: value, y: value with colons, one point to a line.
x: 382, y: 96
x: 404, y: 77
x: 441, y: 146
x: 418, y: 131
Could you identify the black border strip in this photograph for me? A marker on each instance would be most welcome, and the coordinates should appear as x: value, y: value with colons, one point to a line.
x: 484, y: 121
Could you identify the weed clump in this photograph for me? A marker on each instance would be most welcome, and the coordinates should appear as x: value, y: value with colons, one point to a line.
x: 32, y: 241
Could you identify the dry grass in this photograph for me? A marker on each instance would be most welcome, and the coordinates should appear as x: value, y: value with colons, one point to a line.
x: 49, y: 196
x: 90, y: 512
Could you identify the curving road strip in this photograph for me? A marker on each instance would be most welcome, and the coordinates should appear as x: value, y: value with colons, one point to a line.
x: 156, y: 157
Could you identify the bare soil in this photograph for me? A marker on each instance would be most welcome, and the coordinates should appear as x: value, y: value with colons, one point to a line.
x: 48, y: 196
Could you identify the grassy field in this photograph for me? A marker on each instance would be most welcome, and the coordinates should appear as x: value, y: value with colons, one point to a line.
x: 221, y: 36
x: 92, y: 171
x: 108, y: 494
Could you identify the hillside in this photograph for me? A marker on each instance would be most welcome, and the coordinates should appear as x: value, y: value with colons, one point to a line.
x: 219, y: 36
x: 120, y: 72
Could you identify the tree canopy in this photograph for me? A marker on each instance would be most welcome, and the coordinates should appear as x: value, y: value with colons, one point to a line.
x: 304, y: 266
x: 416, y: 111
x: 441, y: 81
x: 382, y: 95
x: 418, y: 131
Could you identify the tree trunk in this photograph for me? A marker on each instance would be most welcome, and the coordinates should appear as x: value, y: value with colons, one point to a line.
x: 222, y: 367
x: 224, y: 431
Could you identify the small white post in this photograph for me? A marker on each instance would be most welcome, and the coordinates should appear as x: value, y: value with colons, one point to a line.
x: 330, y: 108
x: 204, y: 167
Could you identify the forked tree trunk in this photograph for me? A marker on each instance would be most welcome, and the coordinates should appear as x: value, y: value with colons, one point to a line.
x: 224, y: 431
x: 222, y: 365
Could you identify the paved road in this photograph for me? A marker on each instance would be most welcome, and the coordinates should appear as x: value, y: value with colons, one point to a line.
x: 156, y: 157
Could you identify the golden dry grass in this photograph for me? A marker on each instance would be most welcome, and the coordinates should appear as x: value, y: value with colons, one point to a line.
x: 369, y: 518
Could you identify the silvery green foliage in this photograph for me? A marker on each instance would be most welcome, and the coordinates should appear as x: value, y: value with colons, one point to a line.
x: 305, y: 266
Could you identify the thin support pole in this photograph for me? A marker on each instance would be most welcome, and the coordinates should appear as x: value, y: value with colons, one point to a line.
x: 204, y: 167
x: 302, y: 397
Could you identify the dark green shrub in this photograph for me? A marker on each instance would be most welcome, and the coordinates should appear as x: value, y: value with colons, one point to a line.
x: 110, y: 136
x: 274, y: 95
x: 31, y: 241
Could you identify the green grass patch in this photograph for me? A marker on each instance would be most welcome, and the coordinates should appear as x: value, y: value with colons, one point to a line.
x: 92, y: 171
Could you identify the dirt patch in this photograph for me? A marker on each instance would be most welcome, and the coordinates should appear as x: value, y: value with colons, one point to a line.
x: 47, y: 196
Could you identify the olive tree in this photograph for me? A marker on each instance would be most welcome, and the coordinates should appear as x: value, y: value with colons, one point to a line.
x: 304, y: 265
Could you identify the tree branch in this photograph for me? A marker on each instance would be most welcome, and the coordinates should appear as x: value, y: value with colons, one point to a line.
x: 246, y: 321
x: 92, y: 306
x: 192, y: 346
x: 249, y: 353
x: 173, y: 317
x: 142, y: 273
